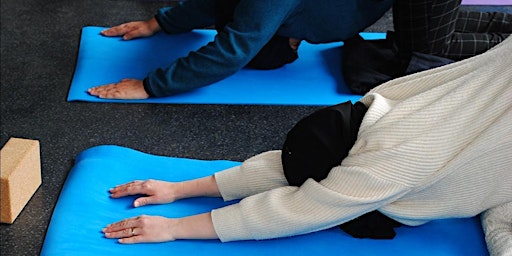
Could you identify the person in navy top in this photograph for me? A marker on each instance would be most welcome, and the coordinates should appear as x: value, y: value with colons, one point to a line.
x: 251, y: 33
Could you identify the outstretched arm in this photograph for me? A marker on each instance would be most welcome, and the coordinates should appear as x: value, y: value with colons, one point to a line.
x: 160, y: 229
x: 162, y: 192
x: 144, y: 229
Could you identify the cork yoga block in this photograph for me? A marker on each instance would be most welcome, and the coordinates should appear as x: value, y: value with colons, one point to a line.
x: 20, y: 176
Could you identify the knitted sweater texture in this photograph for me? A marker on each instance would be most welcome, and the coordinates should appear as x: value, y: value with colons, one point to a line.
x: 497, y: 226
x: 435, y: 144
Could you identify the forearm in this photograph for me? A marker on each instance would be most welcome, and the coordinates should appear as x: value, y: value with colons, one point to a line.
x: 205, y: 186
x: 153, y: 25
x: 154, y: 229
x: 258, y: 174
x: 195, y: 227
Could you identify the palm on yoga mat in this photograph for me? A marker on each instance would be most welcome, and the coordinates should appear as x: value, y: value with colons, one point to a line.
x: 315, y: 79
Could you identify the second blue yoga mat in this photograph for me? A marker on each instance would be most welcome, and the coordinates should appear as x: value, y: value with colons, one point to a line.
x: 486, y: 2
x: 84, y: 208
x: 314, y: 79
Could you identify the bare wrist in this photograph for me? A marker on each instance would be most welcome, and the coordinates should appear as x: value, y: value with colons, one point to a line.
x: 179, y: 191
x: 153, y: 25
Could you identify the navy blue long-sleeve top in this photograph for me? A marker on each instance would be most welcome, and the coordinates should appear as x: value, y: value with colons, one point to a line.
x: 255, y: 23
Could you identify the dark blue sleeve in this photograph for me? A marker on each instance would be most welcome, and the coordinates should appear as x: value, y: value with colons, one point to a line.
x: 255, y: 22
x: 186, y: 16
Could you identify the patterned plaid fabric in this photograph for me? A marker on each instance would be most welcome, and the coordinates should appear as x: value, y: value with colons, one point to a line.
x: 437, y: 27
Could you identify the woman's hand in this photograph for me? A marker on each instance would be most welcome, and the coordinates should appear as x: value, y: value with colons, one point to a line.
x: 133, y: 29
x: 155, y: 191
x: 149, y: 229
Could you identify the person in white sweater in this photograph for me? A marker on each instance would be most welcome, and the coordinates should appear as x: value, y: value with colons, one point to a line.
x: 432, y: 145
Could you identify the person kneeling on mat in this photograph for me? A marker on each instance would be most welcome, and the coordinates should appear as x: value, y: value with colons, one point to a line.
x: 260, y: 34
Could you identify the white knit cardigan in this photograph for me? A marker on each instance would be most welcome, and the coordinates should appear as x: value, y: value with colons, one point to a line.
x: 433, y: 145
x: 497, y: 225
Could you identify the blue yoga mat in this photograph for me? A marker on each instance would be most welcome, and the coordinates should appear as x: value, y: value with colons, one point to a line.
x: 486, y: 2
x: 314, y: 79
x: 84, y: 208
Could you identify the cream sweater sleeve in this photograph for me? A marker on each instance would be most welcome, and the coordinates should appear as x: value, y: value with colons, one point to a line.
x: 257, y: 174
x: 287, y: 210
x: 497, y: 225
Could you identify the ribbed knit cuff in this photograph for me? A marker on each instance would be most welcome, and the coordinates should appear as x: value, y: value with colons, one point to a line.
x: 158, y: 18
x: 147, y: 88
x: 229, y: 189
x: 258, y: 174
x: 228, y: 224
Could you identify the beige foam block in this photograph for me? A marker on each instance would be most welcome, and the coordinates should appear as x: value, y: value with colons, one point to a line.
x: 20, y: 176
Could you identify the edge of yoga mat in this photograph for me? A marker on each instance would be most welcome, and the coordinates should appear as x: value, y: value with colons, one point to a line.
x: 314, y: 79
x: 84, y: 207
x: 486, y: 2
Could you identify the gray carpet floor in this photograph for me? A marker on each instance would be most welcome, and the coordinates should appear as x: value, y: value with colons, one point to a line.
x: 39, y: 43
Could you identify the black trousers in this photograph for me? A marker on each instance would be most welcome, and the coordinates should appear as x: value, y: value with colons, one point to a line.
x: 439, y: 27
